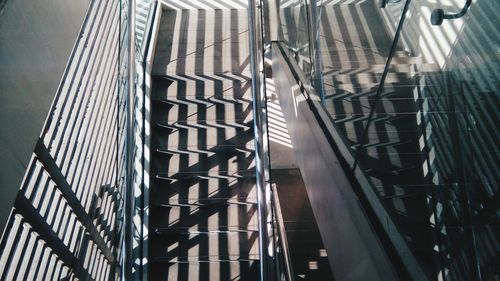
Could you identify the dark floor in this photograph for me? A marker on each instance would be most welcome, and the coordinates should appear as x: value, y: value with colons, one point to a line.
x: 309, y: 257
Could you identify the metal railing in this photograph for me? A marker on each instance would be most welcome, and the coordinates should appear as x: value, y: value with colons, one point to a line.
x: 255, y: 30
x: 283, y: 261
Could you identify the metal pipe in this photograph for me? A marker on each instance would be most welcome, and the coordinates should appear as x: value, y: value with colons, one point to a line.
x: 282, y: 234
x: 380, y: 88
x: 260, y: 155
x: 129, y: 154
x: 438, y: 15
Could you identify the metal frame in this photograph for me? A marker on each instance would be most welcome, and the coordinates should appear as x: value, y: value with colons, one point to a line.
x: 260, y: 130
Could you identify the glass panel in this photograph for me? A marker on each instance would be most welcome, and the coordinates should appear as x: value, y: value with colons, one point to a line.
x: 440, y: 140
x: 427, y: 137
x: 295, y: 32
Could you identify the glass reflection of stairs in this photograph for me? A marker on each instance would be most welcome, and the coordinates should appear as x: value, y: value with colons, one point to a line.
x: 354, y: 56
x: 203, y: 219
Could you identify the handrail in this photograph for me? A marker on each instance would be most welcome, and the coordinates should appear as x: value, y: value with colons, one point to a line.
x: 129, y: 145
x: 380, y: 88
x: 260, y: 129
x: 438, y: 15
x: 280, y: 226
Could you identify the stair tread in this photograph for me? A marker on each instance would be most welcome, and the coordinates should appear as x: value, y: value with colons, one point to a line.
x: 203, y: 189
x: 205, y: 138
x: 202, y: 124
x: 189, y: 216
x: 207, y: 231
x: 204, y: 87
x: 194, y: 202
x: 196, y: 111
x: 221, y: 148
x: 214, y: 259
x: 237, y: 269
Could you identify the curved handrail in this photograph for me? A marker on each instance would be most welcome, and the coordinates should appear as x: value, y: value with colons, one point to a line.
x: 438, y: 15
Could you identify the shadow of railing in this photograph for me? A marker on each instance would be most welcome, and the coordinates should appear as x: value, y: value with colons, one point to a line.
x: 56, y: 219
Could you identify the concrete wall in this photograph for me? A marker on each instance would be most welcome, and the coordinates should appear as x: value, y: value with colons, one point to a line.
x: 36, y: 38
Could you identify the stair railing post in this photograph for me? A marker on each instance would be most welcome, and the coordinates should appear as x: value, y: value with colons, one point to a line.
x: 260, y: 132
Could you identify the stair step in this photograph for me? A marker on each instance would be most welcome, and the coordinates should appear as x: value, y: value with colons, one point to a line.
x: 199, y: 111
x: 161, y: 82
x: 225, y: 149
x: 203, y: 189
x: 235, y: 88
x: 205, y: 259
x: 205, y: 229
x: 242, y: 215
x: 234, y: 174
x: 200, y: 202
x: 193, y: 99
x: 365, y: 59
x: 334, y: 87
x: 369, y: 78
x: 194, y: 65
x: 202, y: 124
x: 206, y: 138
x: 194, y: 162
x: 241, y: 269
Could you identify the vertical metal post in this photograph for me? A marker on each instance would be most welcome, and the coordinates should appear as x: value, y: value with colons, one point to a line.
x: 129, y: 152
x: 256, y: 65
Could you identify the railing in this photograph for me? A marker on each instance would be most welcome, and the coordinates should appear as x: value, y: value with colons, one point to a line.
x: 283, y: 262
x: 256, y: 40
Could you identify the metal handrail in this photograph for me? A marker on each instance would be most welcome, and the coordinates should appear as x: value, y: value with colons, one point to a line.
x: 438, y: 15
x: 260, y: 129
x: 129, y: 146
x: 280, y: 227
x: 381, y: 85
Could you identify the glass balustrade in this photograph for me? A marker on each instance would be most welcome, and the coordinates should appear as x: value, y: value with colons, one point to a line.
x: 419, y: 115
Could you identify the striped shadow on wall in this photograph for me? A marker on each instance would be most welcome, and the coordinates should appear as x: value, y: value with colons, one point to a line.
x: 63, y: 223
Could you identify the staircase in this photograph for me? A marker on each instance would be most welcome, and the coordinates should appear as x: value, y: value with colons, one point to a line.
x: 203, y: 210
